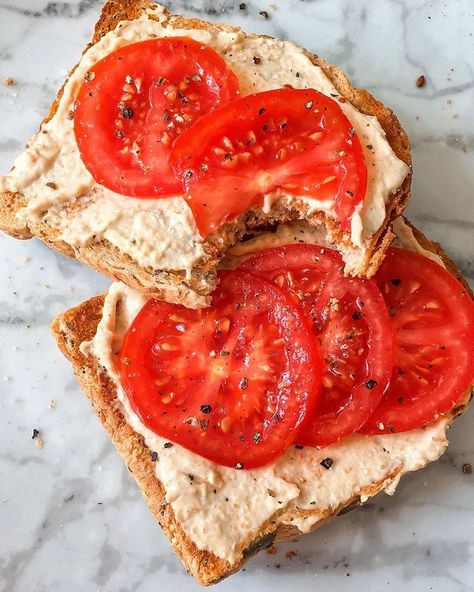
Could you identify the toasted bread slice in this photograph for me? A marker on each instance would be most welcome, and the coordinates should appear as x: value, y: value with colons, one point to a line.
x: 188, y: 283
x: 80, y: 324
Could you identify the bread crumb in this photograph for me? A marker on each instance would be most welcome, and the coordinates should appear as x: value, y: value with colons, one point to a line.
x: 291, y: 554
x: 264, y: 14
x: 467, y: 469
x: 420, y: 81
x: 272, y: 550
x: 8, y: 81
x: 52, y: 404
x: 38, y: 442
x: 25, y: 259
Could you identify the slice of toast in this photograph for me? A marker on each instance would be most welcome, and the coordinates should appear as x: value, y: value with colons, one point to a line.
x: 191, y: 284
x: 80, y: 324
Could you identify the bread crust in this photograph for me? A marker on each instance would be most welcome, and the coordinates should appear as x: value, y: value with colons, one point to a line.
x: 79, y: 324
x: 193, y: 290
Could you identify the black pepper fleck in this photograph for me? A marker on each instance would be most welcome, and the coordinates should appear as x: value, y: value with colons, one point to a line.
x: 370, y: 384
x: 327, y: 463
x: 206, y: 408
x: 127, y: 113
x: 154, y: 456
x: 167, y: 445
x: 244, y: 383
x: 264, y: 14
x: 395, y: 281
x: 35, y: 434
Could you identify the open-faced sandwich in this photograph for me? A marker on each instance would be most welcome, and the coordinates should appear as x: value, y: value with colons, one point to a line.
x: 172, y: 137
x: 267, y: 359
x: 298, y: 393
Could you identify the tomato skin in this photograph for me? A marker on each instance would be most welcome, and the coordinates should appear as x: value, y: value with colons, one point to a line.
x: 235, y: 380
x: 295, y: 141
x: 433, y: 319
x: 351, y: 324
x: 135, y: 102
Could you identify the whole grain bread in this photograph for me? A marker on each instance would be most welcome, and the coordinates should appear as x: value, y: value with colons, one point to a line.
x: 80, y: 324
x: 192, y: 289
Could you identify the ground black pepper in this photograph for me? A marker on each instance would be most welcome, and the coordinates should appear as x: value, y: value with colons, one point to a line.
x: 327, y: 463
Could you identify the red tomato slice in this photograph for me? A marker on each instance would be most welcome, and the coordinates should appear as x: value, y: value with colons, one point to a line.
x: 232, y: 382
x: 297, y: 141
x: 433, y: 318
x: 135, y: 102
x: 352, y: 326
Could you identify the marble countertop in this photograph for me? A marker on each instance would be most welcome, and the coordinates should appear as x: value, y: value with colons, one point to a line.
x: 71, y: 517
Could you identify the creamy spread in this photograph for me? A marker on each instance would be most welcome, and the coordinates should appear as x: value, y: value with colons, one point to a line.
x: 161, y: 233
x: 222, y: 509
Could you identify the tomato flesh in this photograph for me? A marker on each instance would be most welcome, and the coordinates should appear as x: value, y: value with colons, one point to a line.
x: 351, y: 326
x: 433, y: 318
x: 232, y: 382
x: 135, y: 102
x: 298, y: 142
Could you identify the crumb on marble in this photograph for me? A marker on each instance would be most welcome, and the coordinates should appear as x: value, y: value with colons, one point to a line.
x: 52, y: 404
x: 467, y: 469
x: 271, y: 550
x: 9, y: 81
x: 264, y: 14
x: 25, y: 259
x: 291, y: 554
x: 38, y: 442
x: 421, y: 81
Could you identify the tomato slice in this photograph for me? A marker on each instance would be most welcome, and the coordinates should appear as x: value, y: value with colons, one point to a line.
x: 296, y: 141
x: 135, y: 102
x: 433, y: 318
x: 232, y: 382
x: 352, y: 327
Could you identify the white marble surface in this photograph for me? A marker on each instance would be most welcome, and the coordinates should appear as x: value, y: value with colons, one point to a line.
x: 71, y: 518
